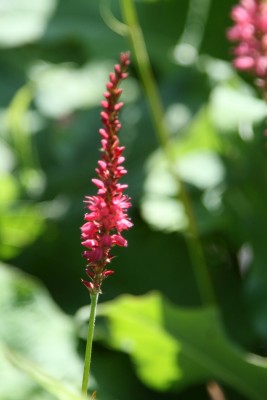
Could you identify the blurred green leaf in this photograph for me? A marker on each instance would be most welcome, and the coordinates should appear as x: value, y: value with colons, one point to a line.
x: 201, y: 133
x: 174, y: 347
x: 50, y: 384
x: 7, y: 158
x: 160, y: 206
x: 23, y: 21
x: 33, y: 325
x: 235, y: 108
x: 201, y: 168
x: 197, y: 162
x: 62, y: 89
x: 20, y: 221
x: 19, y: 226
x: 9, y: 189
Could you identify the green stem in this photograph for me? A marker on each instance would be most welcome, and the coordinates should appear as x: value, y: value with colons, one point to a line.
x: 195, y: 248
x: 90, y: 335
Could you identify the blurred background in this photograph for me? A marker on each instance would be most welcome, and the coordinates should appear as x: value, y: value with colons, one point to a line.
x: 54, y: 62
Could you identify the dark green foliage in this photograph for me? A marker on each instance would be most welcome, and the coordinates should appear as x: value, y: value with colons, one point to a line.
x: 216, y: 121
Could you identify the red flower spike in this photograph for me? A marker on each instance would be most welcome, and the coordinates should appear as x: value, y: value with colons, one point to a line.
x: 107, y: 211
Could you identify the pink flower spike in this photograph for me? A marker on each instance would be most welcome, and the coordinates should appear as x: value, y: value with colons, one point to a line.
x: 249, y: 31
x: 106, y: 213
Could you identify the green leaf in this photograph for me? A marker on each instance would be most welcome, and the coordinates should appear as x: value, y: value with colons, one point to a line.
x: 201, y: 168
x: 23, y: 21
x: 197, y: 162
x: 83, y: 87
x: 234, y: 108
x: 173, y: 347
x: 201, y: 133
x: 20, y: 222
x: 33, y: 326
x: 50, y: 384
x: 159, y: 205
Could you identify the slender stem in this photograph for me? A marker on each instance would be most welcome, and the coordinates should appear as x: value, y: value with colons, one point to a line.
x: 90, y: 335
x: 195, y: 248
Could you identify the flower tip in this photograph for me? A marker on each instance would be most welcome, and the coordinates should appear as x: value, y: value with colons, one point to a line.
x: 125, y: 58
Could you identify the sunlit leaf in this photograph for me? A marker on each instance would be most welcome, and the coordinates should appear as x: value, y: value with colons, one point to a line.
x: 201, y: 168
x: 234, y: 108
x: 173, y: 347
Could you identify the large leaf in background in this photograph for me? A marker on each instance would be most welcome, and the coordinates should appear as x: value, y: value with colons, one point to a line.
x: 32, y: 325
x: 50, y: 384
x: 23, y: 21
x: 173, y: 347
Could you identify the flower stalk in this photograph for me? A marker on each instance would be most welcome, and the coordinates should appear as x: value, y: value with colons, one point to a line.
x: 156, y: 109
x: 89, y: 343
x: 107, y: 210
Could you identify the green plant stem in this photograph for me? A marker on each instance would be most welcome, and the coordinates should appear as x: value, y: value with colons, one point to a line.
x: 90, y: 335
x: 195, y: 248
